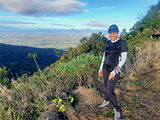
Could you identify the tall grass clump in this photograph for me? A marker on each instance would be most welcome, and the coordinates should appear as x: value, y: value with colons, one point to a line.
x: 143, y: 57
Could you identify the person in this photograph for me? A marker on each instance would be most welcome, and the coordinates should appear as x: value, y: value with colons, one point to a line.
x: 114, y: 57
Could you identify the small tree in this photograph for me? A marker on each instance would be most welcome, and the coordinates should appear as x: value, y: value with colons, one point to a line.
x: 84, y: 39
x: 34, y: 56
x: 4, y: 76
x: 97, y: 41
x: 123, y: 32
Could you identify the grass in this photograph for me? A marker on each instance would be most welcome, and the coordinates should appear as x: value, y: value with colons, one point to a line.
x: 31, y: 93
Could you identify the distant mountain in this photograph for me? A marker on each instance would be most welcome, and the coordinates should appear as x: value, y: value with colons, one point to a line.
x: 9, y: 29
x: 16, y: 58
x: 14, y: 29
x: 69, y: 30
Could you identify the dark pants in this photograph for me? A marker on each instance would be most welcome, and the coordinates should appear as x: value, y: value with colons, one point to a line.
x: 109, y: 86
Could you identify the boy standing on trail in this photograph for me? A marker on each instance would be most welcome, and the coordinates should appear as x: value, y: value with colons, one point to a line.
x: 115, y: 55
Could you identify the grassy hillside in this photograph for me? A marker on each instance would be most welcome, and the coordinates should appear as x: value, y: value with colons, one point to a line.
x: 71, y: 89
x: 32, y: 96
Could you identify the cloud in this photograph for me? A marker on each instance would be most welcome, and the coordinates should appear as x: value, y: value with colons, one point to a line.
x: 15, y: 22
x: 63, y: 25
x: 40, y: 8
x: 86, y: 11
x: 96, y: 23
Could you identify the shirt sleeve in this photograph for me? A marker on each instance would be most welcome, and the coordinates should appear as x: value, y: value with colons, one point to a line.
x: 102, y: 61
x: 122, y: 61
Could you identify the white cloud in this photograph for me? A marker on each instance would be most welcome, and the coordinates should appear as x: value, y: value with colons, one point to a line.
x: 86, y: 11
x: 96, y: 23
x: 43, y: 7
x: 15, y: 22
x: 63, y: 25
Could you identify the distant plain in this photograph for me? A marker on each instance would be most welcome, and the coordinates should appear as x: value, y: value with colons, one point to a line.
x: 43, y: 39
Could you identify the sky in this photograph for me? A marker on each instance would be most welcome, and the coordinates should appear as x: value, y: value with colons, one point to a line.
x: 72, y: 14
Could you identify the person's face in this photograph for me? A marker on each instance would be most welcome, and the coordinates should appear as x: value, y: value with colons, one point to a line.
x: 113, y: 35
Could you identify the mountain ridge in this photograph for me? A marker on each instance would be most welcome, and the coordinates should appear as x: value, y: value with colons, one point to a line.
x: 16, y: 58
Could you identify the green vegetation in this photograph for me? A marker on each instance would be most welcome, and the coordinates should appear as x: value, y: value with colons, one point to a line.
x: 4, y: 76
x: 16, y: 60
x: 77, y: 67
x: 31, y: 93
x: 94, y: 44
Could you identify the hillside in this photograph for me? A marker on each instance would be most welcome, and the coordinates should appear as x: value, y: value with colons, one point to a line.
x: 16, y: 58
x: 138, y: 93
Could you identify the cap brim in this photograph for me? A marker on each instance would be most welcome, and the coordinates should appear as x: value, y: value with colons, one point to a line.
x: 109, y: 31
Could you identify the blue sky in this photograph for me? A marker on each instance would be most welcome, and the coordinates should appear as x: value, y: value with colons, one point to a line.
x: 67, y: 14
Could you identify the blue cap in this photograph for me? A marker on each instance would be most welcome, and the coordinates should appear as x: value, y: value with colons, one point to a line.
x: 113, y: 28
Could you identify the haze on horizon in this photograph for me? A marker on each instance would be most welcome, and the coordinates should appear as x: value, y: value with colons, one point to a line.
x: 71, y: 15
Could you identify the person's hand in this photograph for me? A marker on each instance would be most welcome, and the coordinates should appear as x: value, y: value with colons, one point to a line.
x: 100, y: 74
x: 111, y: 76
